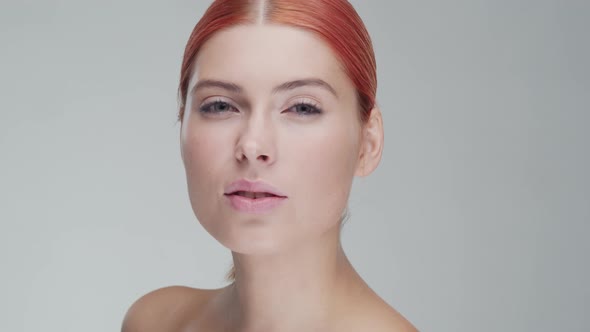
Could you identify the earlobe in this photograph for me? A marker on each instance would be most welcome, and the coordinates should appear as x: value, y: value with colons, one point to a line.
x: 371, y: 144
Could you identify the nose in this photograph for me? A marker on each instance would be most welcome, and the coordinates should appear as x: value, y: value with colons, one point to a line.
x: 255, y: 143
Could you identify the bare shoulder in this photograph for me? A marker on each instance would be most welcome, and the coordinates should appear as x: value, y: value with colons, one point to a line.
x: 164, y: 309
x: 391, y: 320
x: 378, y: 320
x: 375, y: 314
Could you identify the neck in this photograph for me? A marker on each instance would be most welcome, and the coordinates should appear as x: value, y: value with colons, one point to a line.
x: 293, y: 290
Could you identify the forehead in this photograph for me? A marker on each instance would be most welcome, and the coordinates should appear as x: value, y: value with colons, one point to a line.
x: 267, y: 55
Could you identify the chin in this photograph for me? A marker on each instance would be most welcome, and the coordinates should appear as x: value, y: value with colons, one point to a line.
x: 254, y: 237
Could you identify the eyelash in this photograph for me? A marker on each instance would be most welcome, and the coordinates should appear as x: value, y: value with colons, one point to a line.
x: 206, y: 108
x: 314, y: 109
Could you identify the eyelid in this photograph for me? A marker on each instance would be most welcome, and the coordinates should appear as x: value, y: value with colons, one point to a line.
x: 305, y: 100
x: 215, y: 99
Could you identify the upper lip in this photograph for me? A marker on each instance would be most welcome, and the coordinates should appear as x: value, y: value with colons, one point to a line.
x: 252, y: 186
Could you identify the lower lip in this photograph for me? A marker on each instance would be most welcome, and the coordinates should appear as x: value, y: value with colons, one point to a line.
x: 251, y: 205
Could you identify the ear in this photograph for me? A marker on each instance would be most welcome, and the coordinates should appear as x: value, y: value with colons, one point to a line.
x: 180, y: 139
x: 371, y: 144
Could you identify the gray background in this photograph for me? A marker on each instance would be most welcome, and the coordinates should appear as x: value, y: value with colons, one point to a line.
x: 476, y: 220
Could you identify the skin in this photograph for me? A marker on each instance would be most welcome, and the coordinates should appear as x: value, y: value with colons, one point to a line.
x: 292, y: 273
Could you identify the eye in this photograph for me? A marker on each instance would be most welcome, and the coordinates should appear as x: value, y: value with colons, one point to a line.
x: 305, y: 109
x: 216, y: 107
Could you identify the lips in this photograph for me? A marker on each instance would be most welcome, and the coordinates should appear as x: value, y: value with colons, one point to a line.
x: 253, y: 197
x: 252, y: 189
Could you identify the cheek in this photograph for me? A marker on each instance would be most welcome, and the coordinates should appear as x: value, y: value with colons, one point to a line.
x: 204, y: 154
x: 196, y: 148
x: 326, y: 167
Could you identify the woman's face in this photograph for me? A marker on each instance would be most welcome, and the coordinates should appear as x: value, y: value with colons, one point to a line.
x: 269, y: 103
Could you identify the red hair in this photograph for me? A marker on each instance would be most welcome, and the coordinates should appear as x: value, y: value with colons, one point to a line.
x: 335, y: 21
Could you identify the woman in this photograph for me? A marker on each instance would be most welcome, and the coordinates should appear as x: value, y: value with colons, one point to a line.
x: 277, y: 116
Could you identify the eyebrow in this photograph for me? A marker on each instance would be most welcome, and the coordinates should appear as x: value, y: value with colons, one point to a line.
x: 231, y: 87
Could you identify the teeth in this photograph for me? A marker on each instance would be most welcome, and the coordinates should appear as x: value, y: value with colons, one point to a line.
x: 253, y: 195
